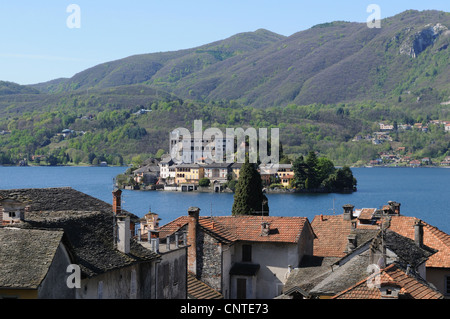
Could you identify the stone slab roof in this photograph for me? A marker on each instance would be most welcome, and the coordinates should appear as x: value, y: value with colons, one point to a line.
x: 26, y: 255
x: 87, y: 223
x: 56, y: 199
x: 432, y: 237
x: 91, y: 236
x: 312, y: 271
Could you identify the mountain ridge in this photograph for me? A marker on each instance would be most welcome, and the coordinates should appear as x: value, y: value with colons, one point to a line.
x: 329, y: 63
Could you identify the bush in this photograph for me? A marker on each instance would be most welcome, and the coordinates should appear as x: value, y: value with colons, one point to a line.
x: 204, y: 182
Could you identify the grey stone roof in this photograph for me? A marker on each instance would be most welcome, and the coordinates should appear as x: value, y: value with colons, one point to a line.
x: 87, y: 223
x: 311, y: 272
x: 56, y: 199
x: 407, y: 251
x: 218, y: 165
x: 147, y: 169
x: 345, y: 276
x: 26, y: 255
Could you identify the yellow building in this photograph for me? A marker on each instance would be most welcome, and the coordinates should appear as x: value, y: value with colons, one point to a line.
x: 188, y: 173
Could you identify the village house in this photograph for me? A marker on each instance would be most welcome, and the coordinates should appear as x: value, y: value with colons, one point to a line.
x: 86, y: 232
x: 447, y: 127
x: 414, y: 163
x: 446, y: 161
x: 217, y: 172
x: 283, y: 173
x: 188, y: 173
x: 165, y: 171
x: 347, y: 245
x: 243, y: 256
x: 148, y: 174
x: 386, y: 127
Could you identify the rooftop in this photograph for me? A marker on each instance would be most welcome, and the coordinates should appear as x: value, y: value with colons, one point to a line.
x: 87, y: 224
x: 26, y: 255
x: 409, y: 286
x: 245, y: 228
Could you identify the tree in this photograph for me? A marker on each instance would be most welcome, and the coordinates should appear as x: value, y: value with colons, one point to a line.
x: 204, y: 182
x: 52, y: 160
x: 320, y: 173
x: 248, y: 197
x: 312, y: 180
x: 325, y: 168
x: 299, y: 168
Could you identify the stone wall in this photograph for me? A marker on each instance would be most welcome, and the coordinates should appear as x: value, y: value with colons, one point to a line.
x: 209, y: 260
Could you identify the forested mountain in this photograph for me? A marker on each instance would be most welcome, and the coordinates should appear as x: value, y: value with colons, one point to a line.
x: 322, y: 87
x: 328, y: 63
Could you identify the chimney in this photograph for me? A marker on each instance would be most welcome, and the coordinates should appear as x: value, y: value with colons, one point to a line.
x: 395, y: 207
x: 117, y: 206
x: 418, y: 233
x: 348, y: 211
x: 26, y: 210
x: 351, y: 242
x: 265, y: 229
x: 193, y: 213
x: 123, y: 236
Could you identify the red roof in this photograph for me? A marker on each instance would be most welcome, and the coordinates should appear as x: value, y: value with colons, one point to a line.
x: 332, y: 232
x: 245, y: 228
x: 432, y: 237
x: 392, y: 276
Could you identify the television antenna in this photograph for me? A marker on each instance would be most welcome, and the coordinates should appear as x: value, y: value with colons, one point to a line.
x: 334, y: 211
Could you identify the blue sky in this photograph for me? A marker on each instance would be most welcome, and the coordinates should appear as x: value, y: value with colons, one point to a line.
x: 37, y: 45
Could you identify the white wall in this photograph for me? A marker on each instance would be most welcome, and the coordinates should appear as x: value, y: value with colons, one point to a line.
x: 274, y: 260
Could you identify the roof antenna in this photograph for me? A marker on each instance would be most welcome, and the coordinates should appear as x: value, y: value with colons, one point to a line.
x: 334, y: 212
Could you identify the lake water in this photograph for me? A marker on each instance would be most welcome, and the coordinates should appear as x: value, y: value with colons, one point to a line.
x: 422, y: 192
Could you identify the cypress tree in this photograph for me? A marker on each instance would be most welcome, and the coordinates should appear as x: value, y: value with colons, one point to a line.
x: 248, y: 197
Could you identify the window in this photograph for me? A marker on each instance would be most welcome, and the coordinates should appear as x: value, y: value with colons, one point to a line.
x: 246, y: 253
x: 241, y: 286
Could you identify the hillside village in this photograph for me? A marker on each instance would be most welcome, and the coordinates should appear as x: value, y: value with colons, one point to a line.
x: 400, y: 155
x: 364, y: 253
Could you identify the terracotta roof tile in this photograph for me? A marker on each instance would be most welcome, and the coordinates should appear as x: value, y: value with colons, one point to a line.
x: 244, y: 228
x: 332, y: 232
x: 248, y: 228
x: 392, y: 275
x: 432, y: 237
x: 199, y: 290
x: 367, y: 213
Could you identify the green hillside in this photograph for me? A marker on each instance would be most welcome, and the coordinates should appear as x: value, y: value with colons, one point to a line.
x: 329, y: 63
